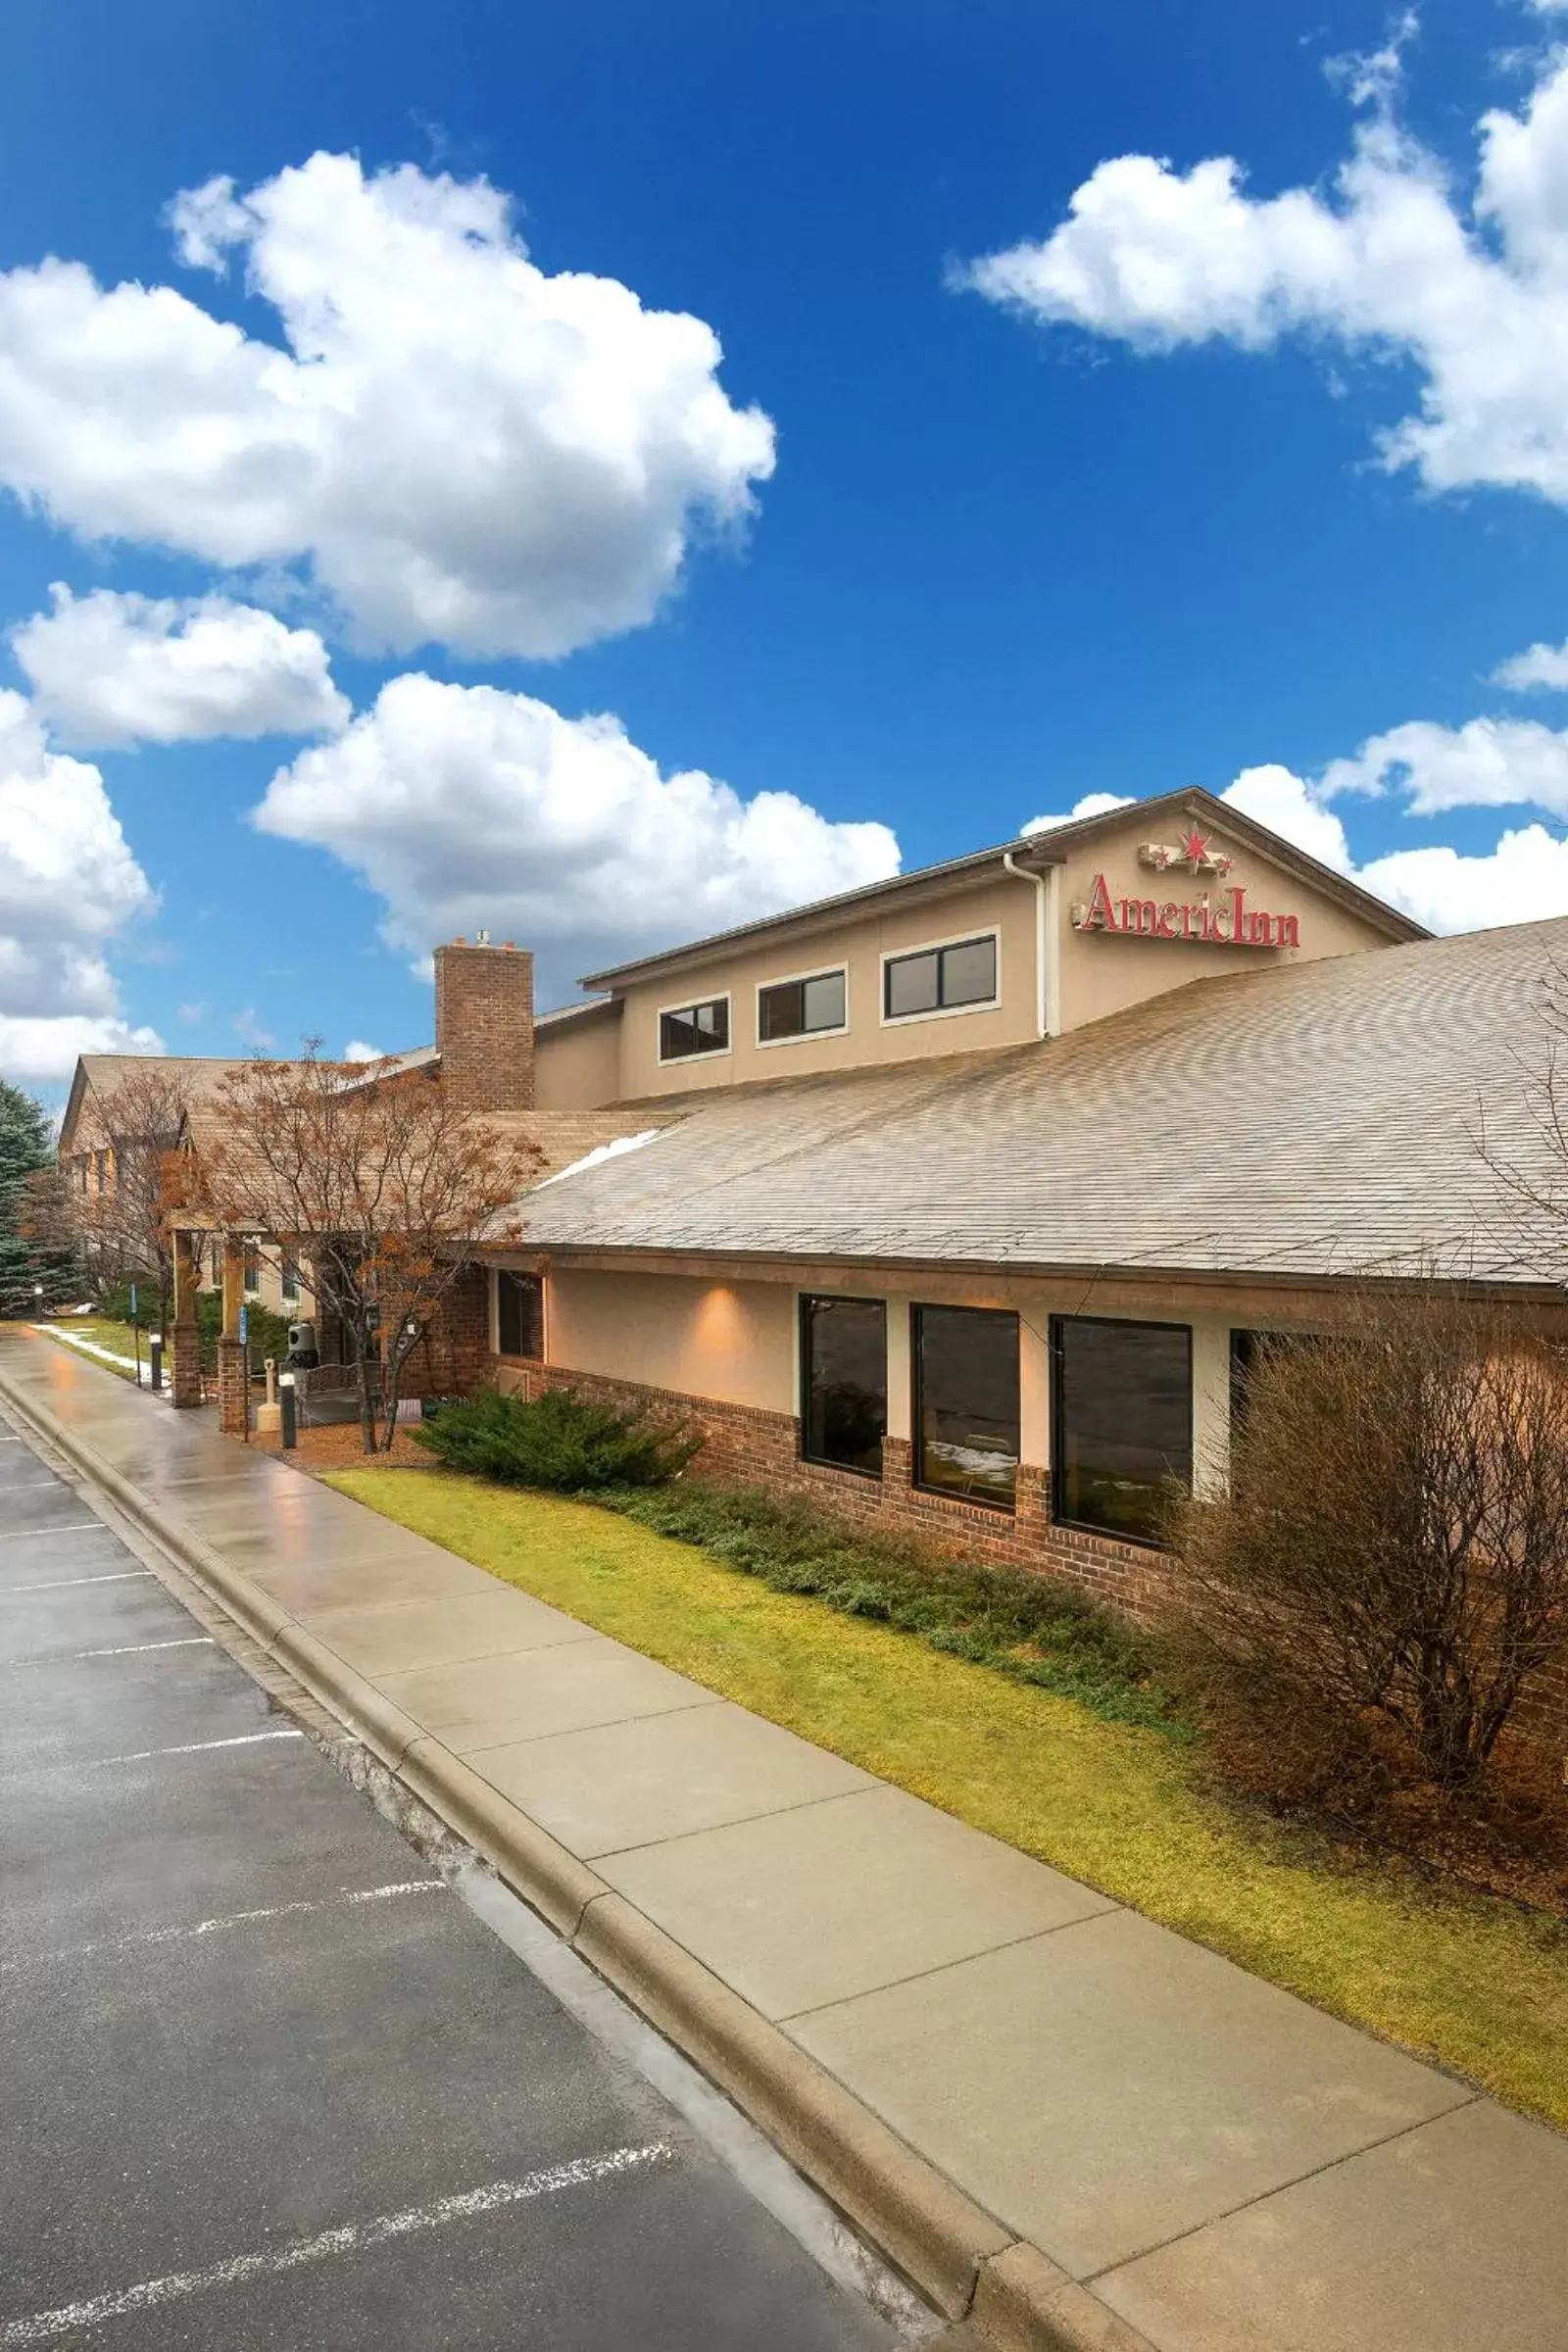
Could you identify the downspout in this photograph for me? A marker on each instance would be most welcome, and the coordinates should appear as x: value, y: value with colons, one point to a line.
x: 1019, y: 874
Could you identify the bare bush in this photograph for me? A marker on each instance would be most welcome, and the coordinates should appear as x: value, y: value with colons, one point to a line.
x: 1392, y: 1562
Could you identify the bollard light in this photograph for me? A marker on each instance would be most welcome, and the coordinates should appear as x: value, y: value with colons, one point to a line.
x: 289, y: 1430
x: 155, y: 1375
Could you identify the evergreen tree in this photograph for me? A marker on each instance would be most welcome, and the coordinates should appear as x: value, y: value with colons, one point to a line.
x: 25, y: 1150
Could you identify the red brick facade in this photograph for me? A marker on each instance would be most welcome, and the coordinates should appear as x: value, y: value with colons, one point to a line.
x: 484, y: 1025
x: 744, y: 1446
x: 454, y: 1357
x: 233, y: 1391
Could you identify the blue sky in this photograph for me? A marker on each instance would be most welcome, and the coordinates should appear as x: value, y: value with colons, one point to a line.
x: 941, y: 543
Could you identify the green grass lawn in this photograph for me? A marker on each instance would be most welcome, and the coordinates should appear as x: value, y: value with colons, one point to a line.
x: 118, y: 1337
x: 1468, y: 1981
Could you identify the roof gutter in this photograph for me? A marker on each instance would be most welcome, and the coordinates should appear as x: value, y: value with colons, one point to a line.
x: 1043, y: 883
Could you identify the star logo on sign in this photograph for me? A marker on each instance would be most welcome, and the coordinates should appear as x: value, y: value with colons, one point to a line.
x: 1195, y: 853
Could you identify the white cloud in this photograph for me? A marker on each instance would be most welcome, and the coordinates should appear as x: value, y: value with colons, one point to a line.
x: 1540, y: 665
x: 1391, y: 262
x: 252, y: 1036
x: 109, y: 668
x: 466, y: 807
x: 68, y: 883
x: 358, y: 1051
x: 1274, y: 797
x: 1092, y: 803
x: 1485, y: 763
x: 1523, y: 880
x: 463, y: 448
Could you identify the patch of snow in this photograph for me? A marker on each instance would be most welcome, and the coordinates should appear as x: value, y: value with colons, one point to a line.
x: 600, y: 1153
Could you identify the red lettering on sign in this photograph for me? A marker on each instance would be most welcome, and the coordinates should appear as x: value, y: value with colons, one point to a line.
x: 1230, y: 924
x: 1097, y: 915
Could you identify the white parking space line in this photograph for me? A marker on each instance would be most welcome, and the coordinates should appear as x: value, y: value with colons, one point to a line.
x: 354, y: 2237
x: 196, y: 1747
x: 346, y: 1898
x: 62, y: 1527
x: 128, y: 1650
x: 65, y: 1584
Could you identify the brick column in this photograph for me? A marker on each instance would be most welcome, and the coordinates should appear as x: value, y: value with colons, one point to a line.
x: 185, y: 1389
x: 897, y: 1471
x: 233, y: 1390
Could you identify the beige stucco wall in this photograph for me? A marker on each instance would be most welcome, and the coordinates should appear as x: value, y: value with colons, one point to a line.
x: 731, y: 1341
x: 1006, y: 906
x: 736, y: 1341
x: 576, y: 1064
x: 1101, y: 974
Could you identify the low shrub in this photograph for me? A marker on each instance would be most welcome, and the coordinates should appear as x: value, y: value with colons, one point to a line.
x: 1031, y: 1627
x: 558, y: 1440
x: 115, y: 1302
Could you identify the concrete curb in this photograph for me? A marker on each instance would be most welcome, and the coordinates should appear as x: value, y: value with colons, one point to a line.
x: 968, y: 2265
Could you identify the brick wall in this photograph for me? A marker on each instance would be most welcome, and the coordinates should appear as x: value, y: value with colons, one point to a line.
x: 484, y: 1025
x: 743, y: 1446
x: 454, y: 1357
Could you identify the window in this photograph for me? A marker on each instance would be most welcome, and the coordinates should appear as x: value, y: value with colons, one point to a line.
x: 844, y: 1381
x: 966, y: 1403
x: 940, y: 979
x: 253, y: 1267
x: 290, y: 1279
x: 1122, y: 1422
x: 519, y: 1315
x: 800, y: 1008
x: 693, y: 1029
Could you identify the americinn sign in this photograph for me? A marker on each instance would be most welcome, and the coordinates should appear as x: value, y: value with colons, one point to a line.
x: 1223, y: 920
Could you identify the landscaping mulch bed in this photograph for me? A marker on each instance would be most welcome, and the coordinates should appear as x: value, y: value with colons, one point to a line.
x: 339, y: 1447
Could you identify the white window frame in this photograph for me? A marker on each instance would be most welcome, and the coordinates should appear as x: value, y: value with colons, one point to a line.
x: 672, y: 1062
x: 804, y: 1037
x: 929, y: 946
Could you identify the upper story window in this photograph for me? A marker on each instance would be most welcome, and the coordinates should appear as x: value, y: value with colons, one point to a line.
x: 953, y: 978
x: 253, y: 1267
x: 810, y: 1008
x: 692, y: 1029
x: 290, y: 1279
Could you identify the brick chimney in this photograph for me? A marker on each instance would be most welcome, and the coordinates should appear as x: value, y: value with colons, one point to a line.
x: 484, y: 1025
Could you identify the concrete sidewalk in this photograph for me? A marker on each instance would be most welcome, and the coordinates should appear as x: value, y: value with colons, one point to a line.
x: 1070, y: 2123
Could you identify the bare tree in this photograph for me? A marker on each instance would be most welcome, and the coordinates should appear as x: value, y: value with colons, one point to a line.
x: 112, y: 1213
x: 1394, y: 1549
x: 381, y: 1182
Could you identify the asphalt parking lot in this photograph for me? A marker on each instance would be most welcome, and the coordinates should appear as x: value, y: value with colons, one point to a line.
x: 268, y: 2081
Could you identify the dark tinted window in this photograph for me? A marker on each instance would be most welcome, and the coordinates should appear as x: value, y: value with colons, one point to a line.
x: 1122, y: 1422
x: 966, y: 1403
x: 799, y: 1007
x: 695, y: 1029
x: 938, y: 979
x: 844, y: 1381
x: 519, y: 1314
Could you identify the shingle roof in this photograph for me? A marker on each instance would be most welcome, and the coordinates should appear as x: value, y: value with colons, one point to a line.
x: 1308, y: 1121
x: 560, y: 1137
